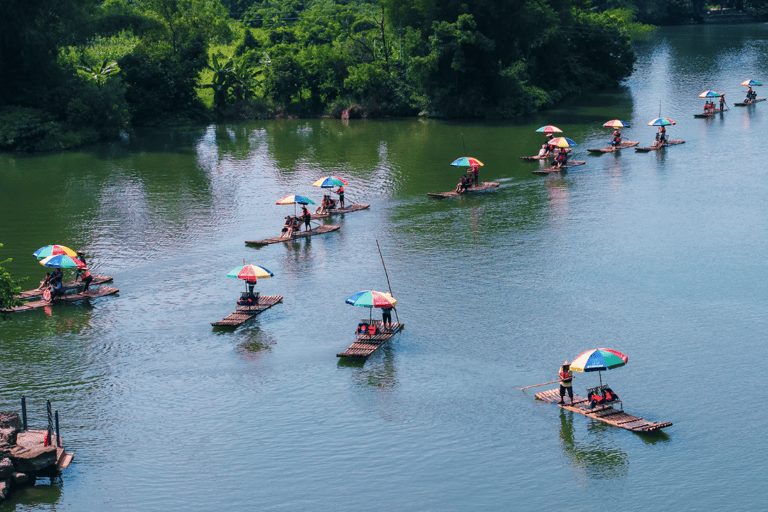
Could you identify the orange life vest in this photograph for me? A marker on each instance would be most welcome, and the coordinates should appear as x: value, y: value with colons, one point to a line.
x: 86, y: 273
x: 47, y: 294
x: 371, y: 330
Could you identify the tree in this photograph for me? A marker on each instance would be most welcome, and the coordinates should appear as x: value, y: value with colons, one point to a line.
x: 8, y: 286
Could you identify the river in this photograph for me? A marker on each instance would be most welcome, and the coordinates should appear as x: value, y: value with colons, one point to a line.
x: 658, y: 255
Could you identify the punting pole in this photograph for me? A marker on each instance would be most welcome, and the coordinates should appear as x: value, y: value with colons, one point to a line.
x: 537, y: 385
x: 463, y: 145
x: 386, y: 274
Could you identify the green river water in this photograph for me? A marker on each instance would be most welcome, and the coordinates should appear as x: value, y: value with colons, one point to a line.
x: 658, y: 255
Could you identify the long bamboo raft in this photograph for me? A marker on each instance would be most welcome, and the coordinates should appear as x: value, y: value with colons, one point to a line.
x: 748, y: 103
x: 538, y: 157
x: 302, y: 234
x: 66, y: 287
x: 365, y: 345
x: 711, y: 113
x: 354, y: 207
x: 671, y: 142
x: 484, y: 185
x: 554, y: 168
x: 101, y: 291
x: 605, y: 413
x: 244, y: 313
x: 611, y: 149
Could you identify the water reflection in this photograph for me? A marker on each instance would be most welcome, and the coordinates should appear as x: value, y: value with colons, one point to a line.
x: 594, y: 457
x: 256, y: 341
x: 47, y: 491
x: 378, y: 371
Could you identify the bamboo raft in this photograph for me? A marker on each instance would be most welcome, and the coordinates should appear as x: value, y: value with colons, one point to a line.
x: 66, y: 287
x: 365, y: 344
x: 748, y: 103
x: 554, y: 168
x: 605, y: 413
x: 354, y: 207
x: 244, y: 313
x: 484, y: 185
x: 611, y: 149
x: 102, y: 291
x: 671, y: 142
x: 711, y: 112
x: 548, y: 155
x: 303, y: 234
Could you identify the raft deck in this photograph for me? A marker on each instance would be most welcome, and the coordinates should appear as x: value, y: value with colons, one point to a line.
x: 245, y: 313
x: 66, y: 287
x: 605, y: 413
x: 354, y: 207
x: 484, y: 185
x: 538, y: 157
x: 303, y: 234
x: 611, y: 149
x: 747, y: 103
x: 365, y: 345
x: 711, y: 113
x: 102, y: 291
x: 549, y: 170
x: 671, y: 142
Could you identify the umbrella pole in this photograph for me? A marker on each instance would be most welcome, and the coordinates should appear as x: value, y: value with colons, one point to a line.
x: 600, y: 374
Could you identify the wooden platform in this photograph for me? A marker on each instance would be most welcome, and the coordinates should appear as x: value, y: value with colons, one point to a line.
x: 484, y: 185
x: 245, y: 313
x: 711, y: 113
x: 671, y: 142
x: 67, y: 287
x: 354, y: 207
x: 605, y: 413
x: 303, y: 234
x: 748, y: 103
x: 102, y: 291
x: 550, y: 170
x: 611, y: 149
x: 366, y: 345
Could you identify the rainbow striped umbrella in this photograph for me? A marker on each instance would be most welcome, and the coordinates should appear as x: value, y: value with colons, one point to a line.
x: 372, y: 299
x: 562, y: 142
x: 710, y: 94
x: 330, y: 182
x: 467, y: 161
x: 250, y: 273
x: 749, y: 83
x: 294, y: 199
x: 62, y: 261
x: 598, y: 360
x: 53, y: 250
x: 661, y: 121
x: 616, y: 123
x: 549, y: 129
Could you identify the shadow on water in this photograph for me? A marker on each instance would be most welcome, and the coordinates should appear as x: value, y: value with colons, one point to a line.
x: 380, y: 371
x: 593, y: 455
x: 256, y: 342
x: 40, y: 494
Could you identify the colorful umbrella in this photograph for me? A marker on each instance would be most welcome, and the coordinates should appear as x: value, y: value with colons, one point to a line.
x: 598, y: 360
x: 53, y: 250
x: 616, y: 123
x: 562, y: 142
x: 372, y: 299
x: 661, y: 121
x: 549, y: 129
x: 62, y: 261
x: 466, y: 161
x: 250, y: 273
x: 710, y: 94
x: 294, y: 199
x: 329, y: 182
x: 751, y: 83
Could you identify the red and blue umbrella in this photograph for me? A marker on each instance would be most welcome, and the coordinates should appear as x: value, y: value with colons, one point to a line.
x: 330, y: 182
x: 616, y: 123
x: 62, y: 261
x: 661, y: 121
x: 372, y: 299
x: 750, y: 83
x: 467, y: 161
x: 53, y: 250
x: 598, y: 360
x: 250, y: 272
x: 562, y: 142
x: 294, y: 199
x: 549, y: 129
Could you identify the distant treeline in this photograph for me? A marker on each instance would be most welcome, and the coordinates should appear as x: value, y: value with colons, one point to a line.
x: 76, y: 71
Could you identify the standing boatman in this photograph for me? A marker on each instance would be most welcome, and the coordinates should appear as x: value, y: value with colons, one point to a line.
x: 340, y: 191
x: 566, y: 382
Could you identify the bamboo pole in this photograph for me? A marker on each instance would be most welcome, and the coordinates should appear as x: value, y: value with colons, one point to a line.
x: 388, y: 283
x: 537, y: 385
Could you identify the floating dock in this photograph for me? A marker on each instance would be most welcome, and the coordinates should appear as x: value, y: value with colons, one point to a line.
x: 550, y: 170
x: 354, y: 207
x: 66, y: 287
x: 245, y: 313
x: 365, y: 344
x: 611, y: 149
x: 671, y: 142
x: 485, y: 185
x: 303, y: 234
x: 102, y: 291
x: 605, y: 413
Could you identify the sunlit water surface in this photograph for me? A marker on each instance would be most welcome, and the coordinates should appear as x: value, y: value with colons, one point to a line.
x: 659, y: 255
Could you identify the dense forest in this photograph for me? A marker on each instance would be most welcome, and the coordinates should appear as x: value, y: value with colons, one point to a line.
x: 76, y: 71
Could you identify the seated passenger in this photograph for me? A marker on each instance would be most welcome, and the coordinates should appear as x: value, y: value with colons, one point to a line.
x: 286, y: 228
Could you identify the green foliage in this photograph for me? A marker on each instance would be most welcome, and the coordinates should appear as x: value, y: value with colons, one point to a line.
x: 8, y: 286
